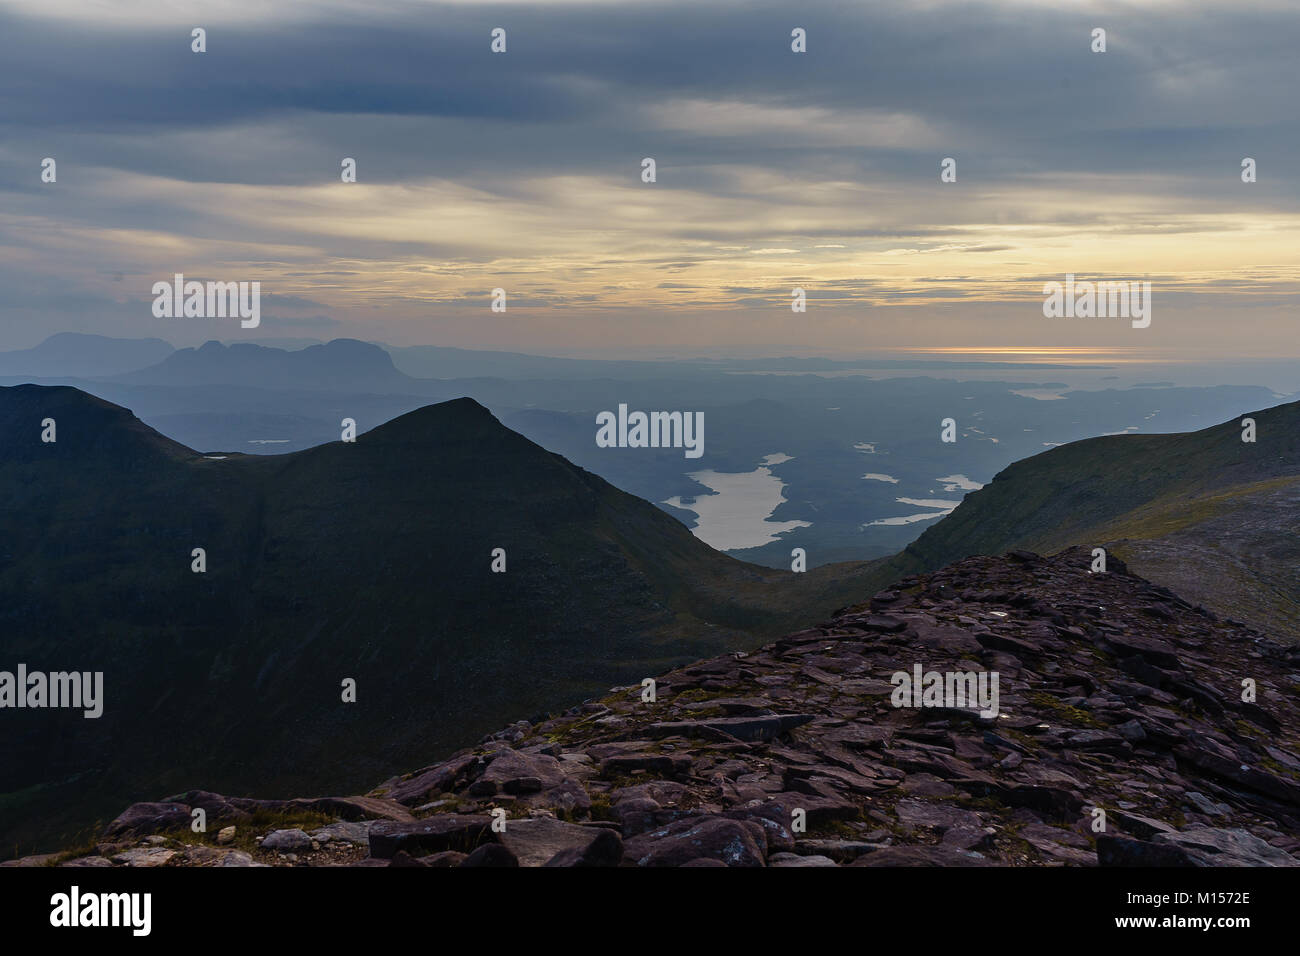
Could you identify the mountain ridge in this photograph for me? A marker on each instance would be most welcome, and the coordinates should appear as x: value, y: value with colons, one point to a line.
x: 1146, y: 498
x: 337, y: 365
x: 346, y: 560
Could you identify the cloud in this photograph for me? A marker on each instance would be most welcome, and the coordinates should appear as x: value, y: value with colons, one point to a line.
x: 477, y: 170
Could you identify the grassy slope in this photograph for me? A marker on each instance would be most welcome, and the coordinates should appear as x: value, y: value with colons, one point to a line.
x: 1202, y: 512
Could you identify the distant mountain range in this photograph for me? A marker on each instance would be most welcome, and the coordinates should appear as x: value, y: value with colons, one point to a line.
x: 368, y: 561
x: 80, y: 355
x: 75, y: 355
x: 340, y: 365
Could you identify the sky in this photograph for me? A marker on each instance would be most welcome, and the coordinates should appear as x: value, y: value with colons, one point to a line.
x: 774, y: 170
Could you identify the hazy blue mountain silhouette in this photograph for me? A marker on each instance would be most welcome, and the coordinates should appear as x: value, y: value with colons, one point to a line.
x: 77, y: 355
x: 340, y: 365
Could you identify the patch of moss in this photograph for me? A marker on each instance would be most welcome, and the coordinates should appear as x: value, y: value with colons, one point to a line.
x: 1063, y: 712
x: 1009, y: 842
x: 835, y: 829
x: 601, y: 807
x: 988, y: 804
x: 87, y: 849
x: 695, y: 695
x: 705, y: 713
x: 1268, y: 763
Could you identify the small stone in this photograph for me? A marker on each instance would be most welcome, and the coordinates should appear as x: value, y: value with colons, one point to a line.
x: 286, y: 841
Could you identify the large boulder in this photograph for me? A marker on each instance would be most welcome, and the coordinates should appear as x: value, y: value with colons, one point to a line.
x: 534, y: 842
x: 605, y: 850
x: 144, y: 819
x: 287, y: 841
x: 449, y: 831
x: 1204, y: 846
x: 731, y: 842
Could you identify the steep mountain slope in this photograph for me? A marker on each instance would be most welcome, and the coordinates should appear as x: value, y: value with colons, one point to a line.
x: 368, y: 561
x: 1204, y: 512
x: 1118, y: 736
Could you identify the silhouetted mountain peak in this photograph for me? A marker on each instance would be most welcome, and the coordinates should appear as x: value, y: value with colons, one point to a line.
x: 351, y: 347
x: 439, y: 552
x: 340, y: 364
x: 80, y: 425
x: 459, y: 418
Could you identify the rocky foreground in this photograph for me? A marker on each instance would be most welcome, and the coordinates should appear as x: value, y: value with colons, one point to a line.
x: 1122, y: 739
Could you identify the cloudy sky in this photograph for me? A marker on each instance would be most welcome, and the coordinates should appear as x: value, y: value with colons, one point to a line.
x: 775, y: 169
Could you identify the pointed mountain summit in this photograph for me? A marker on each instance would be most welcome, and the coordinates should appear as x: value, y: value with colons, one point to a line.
x: 458, y: 419
x: 369, y: 561
x: 84, y: 426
